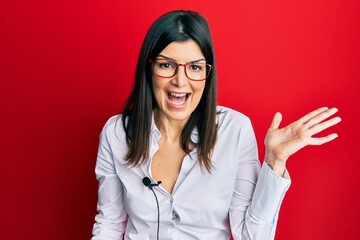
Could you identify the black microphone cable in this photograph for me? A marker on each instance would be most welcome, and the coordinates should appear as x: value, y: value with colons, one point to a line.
x: 147, y: 183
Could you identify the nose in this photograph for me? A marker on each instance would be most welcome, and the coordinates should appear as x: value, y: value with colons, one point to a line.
x: 180, y: 79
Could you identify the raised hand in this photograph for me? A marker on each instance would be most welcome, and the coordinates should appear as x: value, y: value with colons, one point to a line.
x: 281, y: 143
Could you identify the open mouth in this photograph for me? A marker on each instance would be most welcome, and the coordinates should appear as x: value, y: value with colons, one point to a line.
x: 177, y: 100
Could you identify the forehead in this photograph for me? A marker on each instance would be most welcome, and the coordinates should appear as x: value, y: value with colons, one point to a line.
x: 183, y: 51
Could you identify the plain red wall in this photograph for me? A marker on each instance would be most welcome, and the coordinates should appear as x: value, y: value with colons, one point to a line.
x: 67, y: 66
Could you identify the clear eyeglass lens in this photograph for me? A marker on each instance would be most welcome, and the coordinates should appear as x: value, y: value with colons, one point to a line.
x: 194, y: 71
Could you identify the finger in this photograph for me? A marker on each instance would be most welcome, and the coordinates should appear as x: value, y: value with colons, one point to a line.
x: 321, y: 117
x: 324, y: 125
x: 322, y: 140
x: 276, y: 121
x: 312, y: 114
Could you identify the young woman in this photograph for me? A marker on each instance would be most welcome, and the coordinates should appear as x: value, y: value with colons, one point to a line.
x: 205, y: 156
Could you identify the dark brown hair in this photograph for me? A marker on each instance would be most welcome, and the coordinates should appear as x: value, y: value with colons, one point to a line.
x: 176, y: 26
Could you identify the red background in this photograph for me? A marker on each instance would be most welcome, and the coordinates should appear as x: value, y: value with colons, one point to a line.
x: 67, y: 66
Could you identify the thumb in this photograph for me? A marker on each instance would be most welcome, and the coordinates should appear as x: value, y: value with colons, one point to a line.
x: 276, y: 121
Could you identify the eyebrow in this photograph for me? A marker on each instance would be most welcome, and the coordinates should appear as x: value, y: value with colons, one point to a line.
x: 171, y: 59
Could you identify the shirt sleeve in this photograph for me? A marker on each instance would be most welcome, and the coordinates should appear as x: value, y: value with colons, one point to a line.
x: 110, y: 222
x: 258, y: 194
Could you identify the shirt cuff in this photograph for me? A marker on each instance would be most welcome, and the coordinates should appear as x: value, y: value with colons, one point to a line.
x: 269, y: 193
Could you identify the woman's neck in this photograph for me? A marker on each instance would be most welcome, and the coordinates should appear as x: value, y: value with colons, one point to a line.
x: 170, y: 129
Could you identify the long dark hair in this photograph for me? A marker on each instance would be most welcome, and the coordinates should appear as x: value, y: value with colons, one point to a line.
x: 176, y: 26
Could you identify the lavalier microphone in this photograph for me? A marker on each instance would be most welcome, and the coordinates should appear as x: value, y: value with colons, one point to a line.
x: 147, y: 182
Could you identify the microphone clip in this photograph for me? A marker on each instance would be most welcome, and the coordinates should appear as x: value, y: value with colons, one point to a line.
x: 155, y: 184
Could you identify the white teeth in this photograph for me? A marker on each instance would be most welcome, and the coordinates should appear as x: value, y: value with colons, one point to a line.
x: 177, y: 103
x: 178, y: 94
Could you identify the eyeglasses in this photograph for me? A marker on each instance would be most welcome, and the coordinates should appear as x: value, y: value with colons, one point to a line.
x: 167, y: 68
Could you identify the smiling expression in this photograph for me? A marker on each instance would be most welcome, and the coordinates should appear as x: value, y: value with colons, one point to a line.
x: 178, y: 96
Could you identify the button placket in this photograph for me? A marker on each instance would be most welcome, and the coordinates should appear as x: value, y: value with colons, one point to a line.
x: 174, y: 214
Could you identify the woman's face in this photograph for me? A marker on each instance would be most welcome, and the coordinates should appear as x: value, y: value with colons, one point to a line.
x: 178, y: 96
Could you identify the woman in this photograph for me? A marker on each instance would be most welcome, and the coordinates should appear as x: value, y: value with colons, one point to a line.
x: 176, y: 166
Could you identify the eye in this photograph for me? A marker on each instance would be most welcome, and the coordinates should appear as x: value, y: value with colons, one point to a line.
x: 196, y: 67
x: 166, y: 65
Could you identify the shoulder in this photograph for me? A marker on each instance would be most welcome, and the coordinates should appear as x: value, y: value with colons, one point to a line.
x: 235, y: 130
x: 227, y: 116
x: 113, y: 122
x: 113, y: 129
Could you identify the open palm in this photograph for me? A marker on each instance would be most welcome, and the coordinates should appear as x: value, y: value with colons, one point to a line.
x: 281, y: 143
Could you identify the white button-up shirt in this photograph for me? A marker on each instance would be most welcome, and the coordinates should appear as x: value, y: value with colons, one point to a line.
x: 237, y: 198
